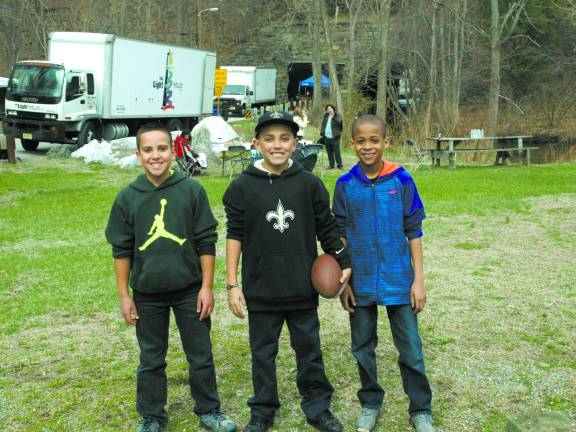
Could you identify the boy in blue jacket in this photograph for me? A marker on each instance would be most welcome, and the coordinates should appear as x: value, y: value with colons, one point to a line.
x: 380, y: 214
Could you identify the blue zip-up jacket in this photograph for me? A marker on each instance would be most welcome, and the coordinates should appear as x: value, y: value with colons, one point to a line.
x: 378, y: 219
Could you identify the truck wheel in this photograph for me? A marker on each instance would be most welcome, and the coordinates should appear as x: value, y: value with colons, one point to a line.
x: 174, y: 125
x: 87, y: 134
x: 29, y: 145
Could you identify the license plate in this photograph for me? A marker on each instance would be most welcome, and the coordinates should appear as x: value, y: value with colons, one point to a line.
x: 27, y: 135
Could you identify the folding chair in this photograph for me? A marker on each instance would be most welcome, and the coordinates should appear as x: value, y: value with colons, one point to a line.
x: 237, y: 155
x: 317, y: 149
x: 420, y: 157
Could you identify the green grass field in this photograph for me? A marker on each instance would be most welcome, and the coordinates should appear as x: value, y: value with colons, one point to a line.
x: 499, y: 329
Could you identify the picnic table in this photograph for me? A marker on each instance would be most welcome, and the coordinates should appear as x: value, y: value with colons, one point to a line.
x: 446, y: 148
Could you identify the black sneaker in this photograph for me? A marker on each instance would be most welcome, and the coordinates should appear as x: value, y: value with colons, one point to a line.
x: 259, y: 424
x: 149, y: 425
x: 326, y: 422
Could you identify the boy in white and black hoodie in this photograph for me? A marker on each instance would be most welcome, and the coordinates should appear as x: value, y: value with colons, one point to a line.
x: 275, y: 212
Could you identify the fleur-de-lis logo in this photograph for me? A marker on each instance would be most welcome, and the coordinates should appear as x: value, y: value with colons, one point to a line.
x: 281, y: 216
x: 276, y: 115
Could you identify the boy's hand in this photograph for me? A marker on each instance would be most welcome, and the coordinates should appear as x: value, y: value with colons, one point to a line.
x: 346, y: 273
x: 347, y: 299
x: 417, y: 296
x: 236, y: 302
x: 205, y: 302
x: 128, y: 310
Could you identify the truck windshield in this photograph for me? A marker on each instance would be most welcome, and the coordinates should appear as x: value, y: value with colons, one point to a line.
x: 37, y: 83
x: 234, y: 90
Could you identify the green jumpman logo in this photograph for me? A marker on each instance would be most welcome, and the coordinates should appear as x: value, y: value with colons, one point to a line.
x: 157, y: 230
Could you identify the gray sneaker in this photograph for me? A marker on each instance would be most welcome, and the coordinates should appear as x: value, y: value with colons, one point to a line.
x: 367, y: 419
x: 149, y: 425
x: 422, y: 422
x: 217, y: 422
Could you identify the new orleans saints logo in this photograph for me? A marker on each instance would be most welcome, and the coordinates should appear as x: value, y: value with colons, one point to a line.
x: 280, y: 215
x: 158, y: 229
x: 276, y: 115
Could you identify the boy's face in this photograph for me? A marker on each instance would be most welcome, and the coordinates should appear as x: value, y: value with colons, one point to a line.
x: 276, y: 143
x: 155, y: 154
x: 369, y: 142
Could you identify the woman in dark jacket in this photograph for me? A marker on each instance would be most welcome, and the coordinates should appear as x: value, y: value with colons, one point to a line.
x: 330, y: 132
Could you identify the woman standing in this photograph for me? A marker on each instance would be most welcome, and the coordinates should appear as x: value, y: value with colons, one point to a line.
x: 330, y: 132
x: 301, y: 120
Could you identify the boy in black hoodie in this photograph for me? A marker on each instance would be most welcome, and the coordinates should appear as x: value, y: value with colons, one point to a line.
x: 275, y: 212
x: 163, y: 237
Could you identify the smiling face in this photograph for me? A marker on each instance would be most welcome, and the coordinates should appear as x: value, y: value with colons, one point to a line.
x: 369, y: 142
x: 276, y: 143
x: 155, y: 155
x: 330, y: 110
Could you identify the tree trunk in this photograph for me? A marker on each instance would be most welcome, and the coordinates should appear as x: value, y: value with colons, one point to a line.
x: 432, y: 71
x: 334, y: 85
x: 353, y: 10
x: 495, y: 50
x: 314, y: 19
x: 383, y: 21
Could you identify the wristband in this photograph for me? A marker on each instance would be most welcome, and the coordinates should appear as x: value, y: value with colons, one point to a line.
x: 230, y: 286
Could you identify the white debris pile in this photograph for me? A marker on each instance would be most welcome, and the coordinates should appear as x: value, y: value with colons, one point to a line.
x: 95, y: 151
x: 211, y: 131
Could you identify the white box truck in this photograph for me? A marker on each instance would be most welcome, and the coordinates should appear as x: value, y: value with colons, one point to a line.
x: 247, y: 87
x: 101, y: 85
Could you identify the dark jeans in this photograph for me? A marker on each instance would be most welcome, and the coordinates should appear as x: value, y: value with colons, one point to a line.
x: 152, y: 333
x: 333, y: 150
x: 313, y: 385
x: 404, y: 327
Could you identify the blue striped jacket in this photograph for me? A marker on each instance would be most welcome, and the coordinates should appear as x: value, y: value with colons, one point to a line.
x: 378, y: 219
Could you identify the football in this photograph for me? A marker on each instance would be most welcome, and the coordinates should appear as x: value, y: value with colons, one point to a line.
x: 326, y: 274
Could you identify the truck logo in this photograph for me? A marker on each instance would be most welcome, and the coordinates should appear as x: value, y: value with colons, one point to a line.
x: 167, y: 102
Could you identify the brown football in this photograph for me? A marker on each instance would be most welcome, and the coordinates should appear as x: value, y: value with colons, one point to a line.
x: 326, y: 274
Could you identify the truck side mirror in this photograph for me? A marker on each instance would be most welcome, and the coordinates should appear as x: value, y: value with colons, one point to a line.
x: 251, y: 93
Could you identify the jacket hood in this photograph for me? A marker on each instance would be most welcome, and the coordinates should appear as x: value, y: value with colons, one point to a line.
x: 389, y: 169
x: 293, y: 169
x: 142, y: 184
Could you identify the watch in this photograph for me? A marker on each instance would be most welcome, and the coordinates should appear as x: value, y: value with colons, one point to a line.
x: 230, y: 286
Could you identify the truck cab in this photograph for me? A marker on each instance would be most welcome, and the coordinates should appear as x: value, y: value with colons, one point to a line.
x: 45, y: 102
x: 236, y: 98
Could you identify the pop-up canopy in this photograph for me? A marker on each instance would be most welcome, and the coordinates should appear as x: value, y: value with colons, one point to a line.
x: 309, y: 82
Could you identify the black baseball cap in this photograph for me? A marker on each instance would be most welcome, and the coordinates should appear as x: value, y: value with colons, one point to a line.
x: 276, y: 117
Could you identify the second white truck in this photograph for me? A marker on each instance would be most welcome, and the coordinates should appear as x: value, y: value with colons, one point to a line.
x: 247, y: 87
x: 101, y: 85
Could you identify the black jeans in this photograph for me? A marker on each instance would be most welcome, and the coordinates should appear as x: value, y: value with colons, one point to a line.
x: 332, y: 146
x: 404, y: 327
x: 313, y: 385
x: 152, y: 333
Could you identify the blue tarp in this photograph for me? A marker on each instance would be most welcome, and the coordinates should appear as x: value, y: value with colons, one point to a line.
x: 309, y: 82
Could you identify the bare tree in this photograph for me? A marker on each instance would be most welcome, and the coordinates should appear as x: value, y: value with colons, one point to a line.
x: 501, y: 29
x: 384, y: 23
x: 354, y: 7
x: 334, y: 84
x: 432, y: 72
x: 313, y: 20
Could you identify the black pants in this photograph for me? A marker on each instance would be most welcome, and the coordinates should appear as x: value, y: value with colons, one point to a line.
x: 313, y: 385
x: 152, y: 333
x: 332, y: 146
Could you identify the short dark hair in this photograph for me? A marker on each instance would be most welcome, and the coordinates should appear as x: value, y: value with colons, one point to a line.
x: 369, y: 118
x: 149, y: 127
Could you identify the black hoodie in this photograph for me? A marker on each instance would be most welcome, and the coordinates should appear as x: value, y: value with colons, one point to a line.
x: 163, y: 230
x: 278, y: 218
